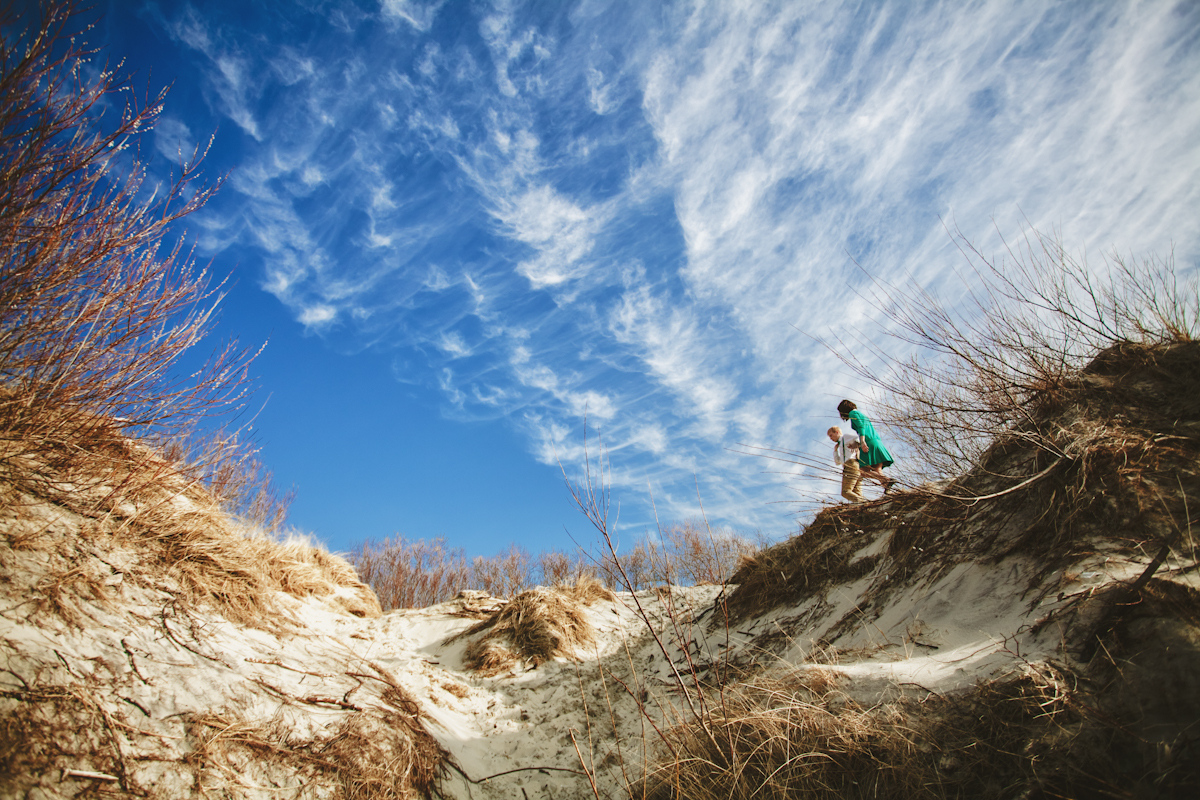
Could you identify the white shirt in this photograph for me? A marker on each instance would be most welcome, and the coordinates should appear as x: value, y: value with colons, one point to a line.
x: 842, y: 451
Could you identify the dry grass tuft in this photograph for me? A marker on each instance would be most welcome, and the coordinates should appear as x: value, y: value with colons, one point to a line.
x: 181, y: 532
x: 777, y: 741
x: 587, y: 590
x: 242, y: 571
x: 534, y: 627
x: 806, y: 565
x: 383, y: 754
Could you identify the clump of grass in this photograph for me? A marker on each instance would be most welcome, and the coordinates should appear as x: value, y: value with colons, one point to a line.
x: 534, y: 627
x: 242, y: 572
x: 180, y: 532
x: 805, y: 565
x: 770, y: 739
x: 379, y: 755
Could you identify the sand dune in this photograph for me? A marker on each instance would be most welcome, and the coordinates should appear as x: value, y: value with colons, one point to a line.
x: 915, y: 636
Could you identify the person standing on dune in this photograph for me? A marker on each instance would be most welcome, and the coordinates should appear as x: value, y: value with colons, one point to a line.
x: 874, y: 456
x: 845, y: 455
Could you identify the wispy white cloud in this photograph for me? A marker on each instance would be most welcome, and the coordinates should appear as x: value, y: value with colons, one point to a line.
x: 500, y: 202
x: 174, y: 140
x: 599, y: 92
x: 318, y: 315
x: 417, y: 14
x: 560, y: 231
x: 234, y: 88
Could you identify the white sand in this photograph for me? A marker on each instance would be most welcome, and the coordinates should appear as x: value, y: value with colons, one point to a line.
x: 142, y: 662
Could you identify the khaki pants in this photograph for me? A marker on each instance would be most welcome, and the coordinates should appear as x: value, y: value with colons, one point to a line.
x: 852, y: 482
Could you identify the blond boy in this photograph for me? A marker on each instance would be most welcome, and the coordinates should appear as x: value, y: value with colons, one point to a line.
x: 845, y: 454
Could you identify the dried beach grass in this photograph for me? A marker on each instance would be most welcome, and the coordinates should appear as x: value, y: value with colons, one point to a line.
x: 805, y: 565
x: 534, y: 627
x: 182, y: 534
x: 383, y: 754
x: 773, y: 740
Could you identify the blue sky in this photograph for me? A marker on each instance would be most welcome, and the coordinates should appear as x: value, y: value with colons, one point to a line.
x: 464, y: 226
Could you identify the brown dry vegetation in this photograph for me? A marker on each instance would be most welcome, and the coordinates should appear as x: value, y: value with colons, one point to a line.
x: 96, y: 309
x: 534, y: 627
x: 688, y: 553
x: 378, y: 756
x: 104, y: 483
x: 417, y: 573
x: 183, y: 533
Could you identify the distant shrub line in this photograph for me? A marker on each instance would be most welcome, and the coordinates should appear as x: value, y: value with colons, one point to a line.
x: 416, y: 573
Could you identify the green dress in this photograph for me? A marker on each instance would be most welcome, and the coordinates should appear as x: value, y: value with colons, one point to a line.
x: 875, y: 453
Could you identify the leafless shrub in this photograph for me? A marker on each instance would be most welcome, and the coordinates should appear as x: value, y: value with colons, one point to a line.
x: 92, y: 312
x: 505, y: 574
x: 1000, y: 363
x: 229, y: 469
x: 688, y: 553
x: 417, y: 573
x: 97, y: 305
x: 559, y: 569
x: 592, y: 496
x: 411, y: 573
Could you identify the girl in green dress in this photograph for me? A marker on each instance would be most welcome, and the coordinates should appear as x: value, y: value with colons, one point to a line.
x: 875, y: 456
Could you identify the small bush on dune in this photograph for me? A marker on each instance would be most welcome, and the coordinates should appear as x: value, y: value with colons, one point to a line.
x: 411, y: 573
x: 534, y: 627
x: 96, y: 306
x: 1002, y: 365
x: 688, y: 553
x: 97, y: 309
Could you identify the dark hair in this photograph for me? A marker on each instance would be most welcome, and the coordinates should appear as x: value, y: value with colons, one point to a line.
x: 846, y: 406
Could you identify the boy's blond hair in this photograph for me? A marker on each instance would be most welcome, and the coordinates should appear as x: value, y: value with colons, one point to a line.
x: 835, y: 432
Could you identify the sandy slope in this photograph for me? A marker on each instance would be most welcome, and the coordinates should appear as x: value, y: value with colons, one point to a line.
x: 175, y: 701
